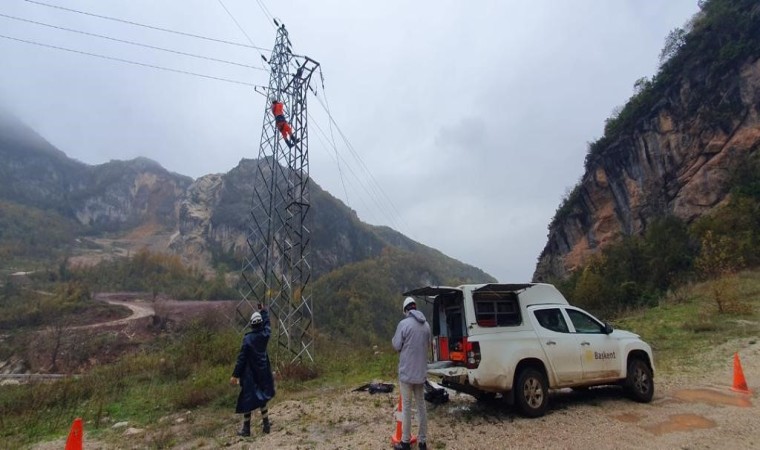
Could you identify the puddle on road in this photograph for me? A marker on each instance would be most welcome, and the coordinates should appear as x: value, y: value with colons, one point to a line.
x: 681, y: 422
x: 713, y: 398
x: 627, y: 417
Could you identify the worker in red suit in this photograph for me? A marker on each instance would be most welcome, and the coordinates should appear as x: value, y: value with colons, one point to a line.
x: 278, y: 110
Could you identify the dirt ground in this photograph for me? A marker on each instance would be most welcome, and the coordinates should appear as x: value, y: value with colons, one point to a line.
x: 691, y: 410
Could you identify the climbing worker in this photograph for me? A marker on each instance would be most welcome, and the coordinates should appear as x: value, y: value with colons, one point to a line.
x: 278, y: 110
x: 412, y: 341
x: 253, y: 372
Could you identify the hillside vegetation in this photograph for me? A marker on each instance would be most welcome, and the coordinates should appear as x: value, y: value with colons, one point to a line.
x: 29, y: 236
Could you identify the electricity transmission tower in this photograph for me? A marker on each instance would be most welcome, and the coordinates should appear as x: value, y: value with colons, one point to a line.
x: 276, y: 271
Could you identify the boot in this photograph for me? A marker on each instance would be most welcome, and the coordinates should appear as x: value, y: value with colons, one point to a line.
x: 246, y: 430
x: 402, y: 446
x: 422, y: 446
x: 266, y: 427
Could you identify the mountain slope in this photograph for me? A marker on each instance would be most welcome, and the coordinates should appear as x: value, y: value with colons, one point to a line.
x: 675, y: 146
x: 130, y: 204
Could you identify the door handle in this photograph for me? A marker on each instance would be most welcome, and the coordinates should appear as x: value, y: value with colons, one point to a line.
x: 584, y: 343
x: 551, y: 343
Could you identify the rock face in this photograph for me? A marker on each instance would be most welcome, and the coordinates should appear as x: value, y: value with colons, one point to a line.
x: 213, y: 220
x: 194, y: 224
x: 678, y: 160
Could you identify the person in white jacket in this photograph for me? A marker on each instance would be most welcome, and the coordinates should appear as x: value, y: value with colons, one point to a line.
x: 412, y: 341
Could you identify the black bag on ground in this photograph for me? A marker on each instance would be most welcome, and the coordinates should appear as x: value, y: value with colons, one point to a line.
x: 435, y: 394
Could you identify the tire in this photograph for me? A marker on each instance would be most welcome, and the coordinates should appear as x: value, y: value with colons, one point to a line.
x: 531, y: 392
x: 639, y: 381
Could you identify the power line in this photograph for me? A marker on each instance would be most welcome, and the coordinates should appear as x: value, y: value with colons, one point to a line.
x: 130, y: 42
x: 332, y: 136
x: 116, y: 19
x: 239, y: 27
x: 127, y: 61
x: 367, y: 188
x: 373, y: 181
x: 337, y: 158
x: 266, y: 12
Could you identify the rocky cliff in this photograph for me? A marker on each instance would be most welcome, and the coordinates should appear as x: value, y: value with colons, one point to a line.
x: 214, y: 212
x: 675, y: 154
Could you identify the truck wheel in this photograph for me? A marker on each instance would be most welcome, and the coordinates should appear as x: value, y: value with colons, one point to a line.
x: 531, y: 392
x: 639, y: 382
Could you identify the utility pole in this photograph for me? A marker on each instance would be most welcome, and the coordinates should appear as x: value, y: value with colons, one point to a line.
x: 276, y: 272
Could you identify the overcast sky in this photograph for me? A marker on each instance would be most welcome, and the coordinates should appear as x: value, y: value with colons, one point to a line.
x: 472, y: 117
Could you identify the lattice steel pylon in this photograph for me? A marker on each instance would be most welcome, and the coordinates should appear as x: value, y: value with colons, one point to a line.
x: 276, y: 271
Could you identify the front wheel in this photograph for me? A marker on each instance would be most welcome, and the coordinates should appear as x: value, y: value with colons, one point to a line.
x: 639, y: 382
x: 531, y: 392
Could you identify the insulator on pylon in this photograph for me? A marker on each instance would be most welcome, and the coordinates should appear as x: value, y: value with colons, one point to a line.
x: 275, y: 22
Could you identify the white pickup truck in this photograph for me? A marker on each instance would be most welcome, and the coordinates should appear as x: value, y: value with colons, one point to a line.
x: 521, y: 340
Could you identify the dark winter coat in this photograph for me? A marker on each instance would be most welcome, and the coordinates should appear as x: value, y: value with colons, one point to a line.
x: 253, y: 369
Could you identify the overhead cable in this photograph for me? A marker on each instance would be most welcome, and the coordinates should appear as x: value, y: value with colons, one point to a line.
x: 332, y: 136
x: 127, y: 61
x: 373, y: 181
x: 356, y: 177
x: 240, y: 28
x: 131, y: 42
x: 266, y: 12
x: 129, y: 22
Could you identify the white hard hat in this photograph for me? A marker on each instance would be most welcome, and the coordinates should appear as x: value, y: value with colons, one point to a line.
x: 256, y: 318
x: 408, y: 301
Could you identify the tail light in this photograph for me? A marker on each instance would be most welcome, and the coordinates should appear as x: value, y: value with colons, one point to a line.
x: 473, y: 354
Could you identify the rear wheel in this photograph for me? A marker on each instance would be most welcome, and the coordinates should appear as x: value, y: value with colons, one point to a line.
x: 531, y: 392
x: 639, y: 382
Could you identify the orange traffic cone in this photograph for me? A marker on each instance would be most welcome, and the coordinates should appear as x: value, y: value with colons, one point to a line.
x: 396, y: 438
x: 74, y: 441
x: 740, y: 384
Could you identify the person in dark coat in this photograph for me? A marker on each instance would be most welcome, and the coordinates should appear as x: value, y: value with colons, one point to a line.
x: 253, y: 373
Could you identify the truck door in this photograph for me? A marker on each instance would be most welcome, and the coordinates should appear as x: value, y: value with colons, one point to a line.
x: 559, y: 345
x: 449, y: 331
x: 599, y: 351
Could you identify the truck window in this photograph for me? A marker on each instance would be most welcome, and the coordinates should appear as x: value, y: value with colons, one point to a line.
x: 551, y: 319
x: 583, y: 323
x: 496, y: 309
x: 454, y: 322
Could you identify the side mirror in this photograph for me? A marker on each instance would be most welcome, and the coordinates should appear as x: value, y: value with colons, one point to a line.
x: 607, y: 328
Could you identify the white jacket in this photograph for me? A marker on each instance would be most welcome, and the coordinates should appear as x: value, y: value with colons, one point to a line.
x: 412, y: 341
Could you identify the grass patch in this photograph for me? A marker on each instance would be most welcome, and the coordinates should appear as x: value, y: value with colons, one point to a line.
x: 688, y: 323
x: 188, y: 371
